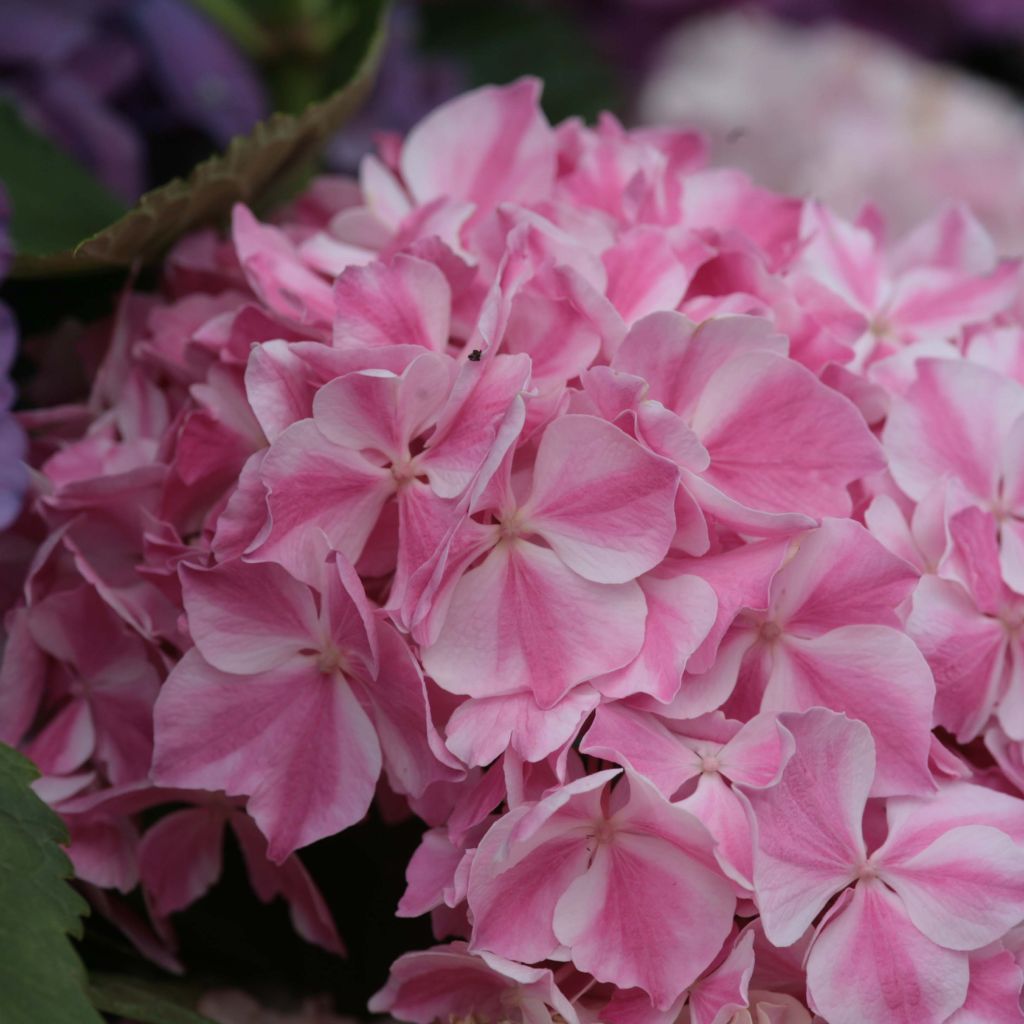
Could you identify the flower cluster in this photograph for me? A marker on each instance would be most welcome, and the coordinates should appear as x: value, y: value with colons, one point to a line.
x: 656, y: 539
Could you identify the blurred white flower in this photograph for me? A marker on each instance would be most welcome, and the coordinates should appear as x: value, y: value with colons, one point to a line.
x: 843, y: 115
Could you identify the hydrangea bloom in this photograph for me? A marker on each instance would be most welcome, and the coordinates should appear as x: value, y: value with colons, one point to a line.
x: 655, y: 538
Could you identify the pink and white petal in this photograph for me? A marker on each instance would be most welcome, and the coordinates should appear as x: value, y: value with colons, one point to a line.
x: 488, y: 146
x: 951, y: 422
x: 104, y: 851
x: 378, y: 412
x: 872, y: 673
x: 247, y: 617
x: 678, y: 357
x: 666, y: 433
x: 741, y: 579
x: 315, y: 485
x: 346, y: 619
x: 993, y: 995
x: 482, y: 418
x: 672, y: 912
x: 481, y: 729
x: 842, y: 256
x: 967, y: 652
x: 307, y: 908
x: 780, y: 440
x: 180, y: 857
x: 807, y: 829
x: 934, y: 303
x: 840, y: 576
x: 722, y: 993
x: 1011, y: 553
x: 430, y: 871
x: 513, y: 889
x: 281, y: 377
x: 645, y: 274
x: 23, y: 671
x: 915, y: 823
x: 296, y: 741
x: 758, y: 752
x: 414, y: 755
x: 523, y: 621
x: 66, y: 741
x: 869, y: 963
x: 953, y: 239
x: 638, y: 740
x: 277, y: 274
x: 722, y: 812
x: 603, y: 502
x: 404, y: 302
x: 443, y: 983
x: 963, y: 891
x: 681, y: 610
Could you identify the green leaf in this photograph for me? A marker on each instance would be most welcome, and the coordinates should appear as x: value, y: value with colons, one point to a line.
x: 144, y: 1002
x: 41, y: 977
x: 256, y: 168
x: 55, y: 201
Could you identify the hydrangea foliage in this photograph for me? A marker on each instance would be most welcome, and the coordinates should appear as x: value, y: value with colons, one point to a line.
x: 656, y: 539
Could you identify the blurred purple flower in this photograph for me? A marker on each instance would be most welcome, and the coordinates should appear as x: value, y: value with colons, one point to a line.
x: 13, y: 474
x: 101, y: 77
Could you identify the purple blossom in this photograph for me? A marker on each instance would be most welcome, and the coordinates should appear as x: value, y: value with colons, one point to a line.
x: 100, y: 78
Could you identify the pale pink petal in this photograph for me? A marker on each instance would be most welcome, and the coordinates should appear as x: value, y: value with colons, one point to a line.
x: 296, y: 741
x: 247, y: 617
x: 869, y: 963
x: 758, y: 752
x: 491, y: 145
x: 645, y: 274
x: 481, y: 728
x: 276, y: 272
x: 840, y: 576
x: 951, y: 422
x: 781, y: 441
x: 721, y: 811
x: 641, y: 742
x: 381, y: 413
x: 315, y: 485
x: 522, y: 621
x: 808, y: 842
x: 414, y: 756
x: 282, y: 377
x: 874, y: 674
x: 842, y: 256
x: 603, y: 503
x: 483, y: 416
x: 404, y: 302
x: 966, y: 651
x: 513, y: 889
x: 645, y: 884
x: 678, y: 357
x: 307, y: 908
x: 680, y: 613
x: 716, y: 998
x: 963, y: 891
x: 180, y: 857
x: 993, y: 995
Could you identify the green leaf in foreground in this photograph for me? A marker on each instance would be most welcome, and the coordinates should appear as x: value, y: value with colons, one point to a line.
x: 143, y: 1002
x: 254, y: 168
x: 41, y: 977
x: 55, y: 201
